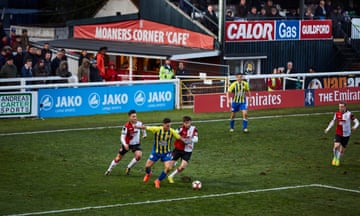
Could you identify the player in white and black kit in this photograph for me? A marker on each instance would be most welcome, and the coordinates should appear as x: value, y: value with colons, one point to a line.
x: 183, y: 149
x: 130, y: 141
x: 343, y: 119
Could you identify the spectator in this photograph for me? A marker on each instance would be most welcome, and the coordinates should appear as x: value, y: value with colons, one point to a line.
x: 290, y: 83
x: 253, y: 14
x: 293, y: 14
x: 3, y: 57
x: 45, y: 49
x: 320, y: 11
x: 229, y: 16
x: 262, y: 15
x: 268, y: 6
x: 83, y: 55
x: 15, y: 44
x: 337, y: 20
x: 38, y: 55
x: 328, y: 8
x: 9, y: 70
x: 26, y: 70
x: 274, y: 83
x: 211, y: 20
x: 94, y: 72
x: 313, y: 82
x: 308, y: 14
x: 12, y: 38
x: 181, y: 71
x: 64, y: 57
x: 63, y: 69
x: 111, y: 73
x: 40, y: 70
x: 166, y: 71
x: 4, y: 41
x: 84, y: 71
x: 274, y: 15
x: 100, y: 61
x: 242, y: 10
x: 31, y: 54
x: 56, y: 62
x: 19, y: 59
x: 24, y: 39
x: 47, y: 63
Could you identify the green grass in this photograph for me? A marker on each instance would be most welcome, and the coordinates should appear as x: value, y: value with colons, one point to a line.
x: 57, y: 170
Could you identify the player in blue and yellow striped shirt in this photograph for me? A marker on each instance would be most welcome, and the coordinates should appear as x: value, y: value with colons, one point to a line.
x: 163, y: 137
x: 239, y: 88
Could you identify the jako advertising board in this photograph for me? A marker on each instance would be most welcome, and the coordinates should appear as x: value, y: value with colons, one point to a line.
x: 103, y: 100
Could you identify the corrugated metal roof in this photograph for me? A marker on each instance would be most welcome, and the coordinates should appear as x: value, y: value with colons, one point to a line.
x: 19, y: 11
x: 135, y: 49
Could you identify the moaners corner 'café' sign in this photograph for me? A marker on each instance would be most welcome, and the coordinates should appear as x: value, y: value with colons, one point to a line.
x: 144, y: 31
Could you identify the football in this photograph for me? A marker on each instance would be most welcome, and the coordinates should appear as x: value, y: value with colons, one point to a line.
x: 196, y: 185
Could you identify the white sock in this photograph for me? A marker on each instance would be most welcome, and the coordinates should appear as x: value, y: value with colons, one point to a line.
x: 112, y: 165
x: 174, y: 173
x: 338, y: 155
x: 132, y: 163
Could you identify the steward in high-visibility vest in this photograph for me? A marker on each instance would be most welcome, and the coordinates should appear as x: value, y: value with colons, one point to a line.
x: 166, y: 71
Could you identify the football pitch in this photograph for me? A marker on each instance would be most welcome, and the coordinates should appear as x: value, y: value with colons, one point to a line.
x: 281, y: 167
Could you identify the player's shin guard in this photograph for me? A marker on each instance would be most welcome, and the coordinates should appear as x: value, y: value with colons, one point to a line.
x: 148, y: 170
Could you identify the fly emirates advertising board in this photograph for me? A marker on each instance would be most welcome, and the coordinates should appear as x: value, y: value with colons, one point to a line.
x: 279, y: 99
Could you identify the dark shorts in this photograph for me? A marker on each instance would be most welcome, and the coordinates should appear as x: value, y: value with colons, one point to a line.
x: 176, y: 154
x: 132, y: 148
x: 342, y: 140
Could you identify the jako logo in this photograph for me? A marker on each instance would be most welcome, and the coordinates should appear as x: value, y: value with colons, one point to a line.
x: 139, y: 98
x: 46, y: 102
x: 94, y: 100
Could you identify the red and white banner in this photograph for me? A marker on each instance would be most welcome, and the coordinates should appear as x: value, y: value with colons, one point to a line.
x: 250, y: 31
x: 144, y: 31
x: 315, y: 29
x: 334, y: 96
x: 257, y: 101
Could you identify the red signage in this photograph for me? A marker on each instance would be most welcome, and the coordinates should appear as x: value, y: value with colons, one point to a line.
x: 250, y: 31
x: 315, y: 29
x: 334, y: 96
x: 144, y: 31
x: 257, y: 101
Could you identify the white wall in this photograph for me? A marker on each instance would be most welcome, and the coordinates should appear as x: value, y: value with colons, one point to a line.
x: 114, y: 6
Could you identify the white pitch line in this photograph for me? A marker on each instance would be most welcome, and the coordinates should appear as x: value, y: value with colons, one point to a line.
x: 195, y: 121
x: 184, y: 198
x: 336, y: 188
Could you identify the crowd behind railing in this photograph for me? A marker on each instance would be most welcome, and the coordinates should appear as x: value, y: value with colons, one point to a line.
x: 207, y: 12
